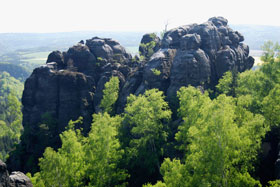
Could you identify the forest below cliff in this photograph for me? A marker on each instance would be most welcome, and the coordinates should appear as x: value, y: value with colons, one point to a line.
x: 218, y: 129
x: 216, y: 141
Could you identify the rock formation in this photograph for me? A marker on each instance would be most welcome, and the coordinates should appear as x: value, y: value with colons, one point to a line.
x: 16, y: 179
x: 149, y: 44
x: 71, y: 83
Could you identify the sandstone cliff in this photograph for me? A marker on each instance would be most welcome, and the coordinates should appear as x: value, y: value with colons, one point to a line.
x: 71, y: 83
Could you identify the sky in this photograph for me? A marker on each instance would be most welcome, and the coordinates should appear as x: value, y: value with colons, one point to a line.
x: 129, y: 15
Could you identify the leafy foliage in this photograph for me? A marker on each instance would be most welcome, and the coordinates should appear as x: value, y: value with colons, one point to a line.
x: 156, y: 72
x: 144, y: 132
x: 219, y: 151
x: 191, y: 101
x: 270, y: 51
x: 148, y: 48
x: 10, y: 113
x: 228, y: 84
x: 84, y: 161
x: 103, y: 152
x: 55, y: 166
x: 9, y: 84
x: 16, y: 71
x: 275, y: 183
x: 110, y: 95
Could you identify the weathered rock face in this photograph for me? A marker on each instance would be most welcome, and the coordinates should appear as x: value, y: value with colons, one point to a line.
x: 149, y: 44
x: 220, y: 44
x: 156, y: 72
x: 16, y: 179
x: 71, y: 83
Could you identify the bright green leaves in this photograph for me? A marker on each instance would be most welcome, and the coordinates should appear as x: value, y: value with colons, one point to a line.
x: 220, y: 138
x: 191, y: 101
x: 156, y: 72
x: 225, y: 83
x: 13, y: 112
x: 9, y: 84
x: 145, y: 113
x: 270, y: 51
x: 110, y: 95
x: 228, y: 83
x: 275, y: 183
x: 66, y: 166
x: 214, y: 144
x: 103, y: 152
x: 144, y: 132
x: 173, y: 173
x: 10, y: 113
x: 84, y: 161
x: 271, y: 107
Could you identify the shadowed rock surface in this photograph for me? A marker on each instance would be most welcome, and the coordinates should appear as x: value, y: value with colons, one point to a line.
x: 71, y: 83
x: 16, y: 179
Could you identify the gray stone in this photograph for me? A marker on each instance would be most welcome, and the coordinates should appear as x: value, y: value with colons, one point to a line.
x: 16, y: 179
x: 146, y: 40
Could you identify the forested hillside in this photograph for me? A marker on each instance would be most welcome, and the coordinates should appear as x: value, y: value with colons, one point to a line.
x: 10, y: 113
x: 15, y: 71
x: 257, y: 35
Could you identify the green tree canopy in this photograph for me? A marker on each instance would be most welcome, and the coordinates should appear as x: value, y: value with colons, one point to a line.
x: 10, y: 113
x: 221, y: 144
x: 84, y: 161
x: 144, y: 132
x: 110, y: 95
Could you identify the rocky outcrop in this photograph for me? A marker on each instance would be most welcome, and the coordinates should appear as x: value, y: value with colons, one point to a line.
x: 150, y: 43
x: 220, y: 47
x: 16, y: 179
x: 71, y: 83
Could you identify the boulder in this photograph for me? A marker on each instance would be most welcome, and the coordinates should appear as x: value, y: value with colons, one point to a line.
x: 172, y: 38
x: 56, y: 56
x: 156, y: 72
x: 16, y: 179
x: 108, y: 50
x: 219, y: 21
x: 150, y: 43
x: 79, y: 58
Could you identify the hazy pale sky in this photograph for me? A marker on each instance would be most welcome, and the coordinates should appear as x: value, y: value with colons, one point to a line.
x: 129, y: 15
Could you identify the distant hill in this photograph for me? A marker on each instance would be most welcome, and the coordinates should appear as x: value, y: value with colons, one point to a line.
x: 10, y: 42
x: 15, y: 71
x: 30, y: 50
x: 256, y: 35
